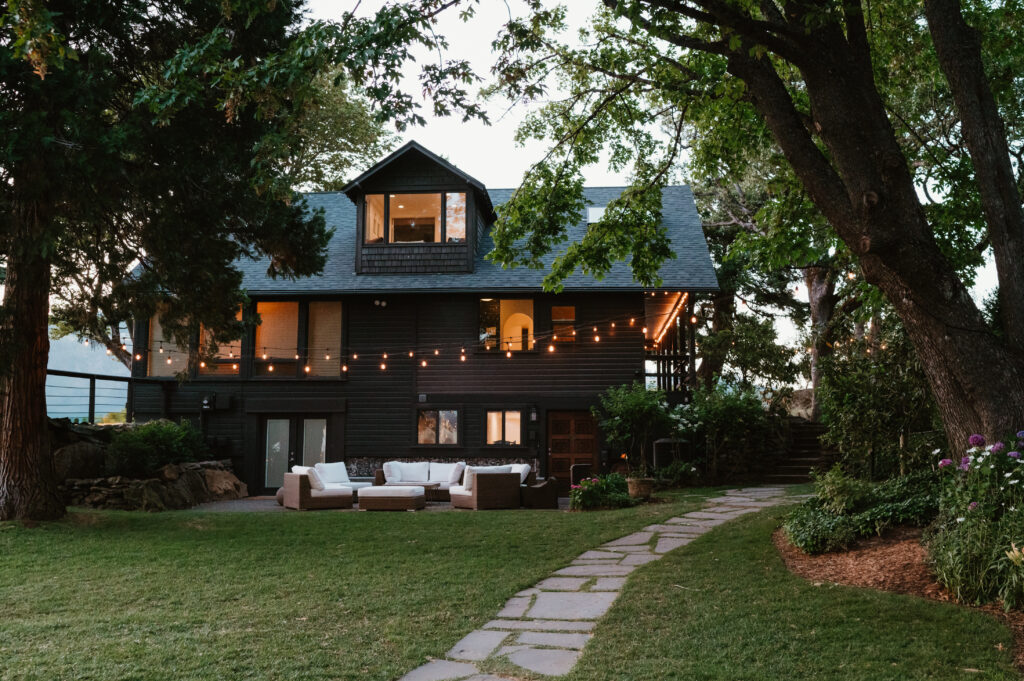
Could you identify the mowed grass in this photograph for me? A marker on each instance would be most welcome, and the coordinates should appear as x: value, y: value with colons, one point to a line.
x: 725, y: 608
x: 318, y: 595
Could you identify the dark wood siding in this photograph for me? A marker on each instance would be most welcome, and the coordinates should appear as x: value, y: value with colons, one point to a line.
x: 372, y: 412
x: 414, y: 258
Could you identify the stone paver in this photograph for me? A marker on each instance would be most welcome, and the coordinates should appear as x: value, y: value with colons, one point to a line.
x: 552, y: 621
x: 640, y: 558
x: 608, y: 584
x: 562, y: 584
x: 595, y: 571
x: 552, y: 640
x: 566, y: 605
x: 633, y: 539
x: 440, y: 670
x: 477, y: 645
x: 515, y: 607
x: 539, y: 625
x: 545, y: 660
x: 669, y: 543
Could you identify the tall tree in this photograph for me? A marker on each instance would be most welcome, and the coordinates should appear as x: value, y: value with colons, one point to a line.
x: 826, y: 82
x: 154, y: 134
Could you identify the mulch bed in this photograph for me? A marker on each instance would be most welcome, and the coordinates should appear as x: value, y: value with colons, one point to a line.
x: 894, y: 562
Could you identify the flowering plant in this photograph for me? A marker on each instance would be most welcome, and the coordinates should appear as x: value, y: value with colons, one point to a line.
x: 607, y: 491
x: 973, y: 544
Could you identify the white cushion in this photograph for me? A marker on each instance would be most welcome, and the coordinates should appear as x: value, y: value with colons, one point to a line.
x: 456, y: 475
x: 332, y: 472
x: 339, y: 492
x: 315, y: 481
x: 417, y: 471
x: 522, y: 468
x: 392, y: 471
x: 338, y: 485
x: 472, y: 471
x: 300, y: 470
x: 459, y: 491
x: 391, y: 491
x: 441, y: 472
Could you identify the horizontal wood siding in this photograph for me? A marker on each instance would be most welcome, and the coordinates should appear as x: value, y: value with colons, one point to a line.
x: 373, y: 412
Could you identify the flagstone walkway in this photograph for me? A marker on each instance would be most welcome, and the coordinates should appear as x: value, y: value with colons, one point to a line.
x: 544, y: 629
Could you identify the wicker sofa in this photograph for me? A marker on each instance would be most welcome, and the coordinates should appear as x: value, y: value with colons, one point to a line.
x: 299, y: 494
x: 490, y: 487
x: 418, y: 473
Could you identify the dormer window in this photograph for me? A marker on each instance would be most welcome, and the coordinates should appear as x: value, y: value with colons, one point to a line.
x: 420, y: 218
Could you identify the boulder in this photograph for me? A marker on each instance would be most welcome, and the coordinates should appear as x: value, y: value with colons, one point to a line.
x: 81, y: 459
x: 223, y: 484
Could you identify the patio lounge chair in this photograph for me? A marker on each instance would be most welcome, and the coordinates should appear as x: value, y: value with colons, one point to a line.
x: 489, y: 487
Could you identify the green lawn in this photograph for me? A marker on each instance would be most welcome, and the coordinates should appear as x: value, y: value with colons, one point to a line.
x: 726, y: 608
x: 188, y: 595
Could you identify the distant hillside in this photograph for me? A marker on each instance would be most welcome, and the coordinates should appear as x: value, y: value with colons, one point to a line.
x: 70, y: 396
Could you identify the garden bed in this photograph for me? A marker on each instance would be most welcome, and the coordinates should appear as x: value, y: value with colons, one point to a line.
x: 894, y: 562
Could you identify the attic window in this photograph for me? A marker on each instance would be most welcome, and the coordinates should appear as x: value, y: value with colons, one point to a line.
x: 594, y: 214
x: 422, y: 218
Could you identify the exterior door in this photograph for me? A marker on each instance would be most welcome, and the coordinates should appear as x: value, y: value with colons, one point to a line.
x: 572, y: 439
x: 291, y: 441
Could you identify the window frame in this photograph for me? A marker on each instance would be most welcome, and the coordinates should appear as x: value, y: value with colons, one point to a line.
x: 522, y: 427
x: 459, y: 414
x: 252, y: 353
x: 443, y: 241
x: 568, y: 340
x: 481, y: 346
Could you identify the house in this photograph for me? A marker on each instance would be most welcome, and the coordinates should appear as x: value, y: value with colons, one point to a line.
x: 412, y: 345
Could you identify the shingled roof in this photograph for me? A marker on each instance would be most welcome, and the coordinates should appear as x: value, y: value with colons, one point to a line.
x: 690, y: 270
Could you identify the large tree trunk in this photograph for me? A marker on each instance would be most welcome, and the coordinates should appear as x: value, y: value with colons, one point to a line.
x: 821, y: 296
x: 28, y: 487
x: 867, y: 193
x: 723, y: 310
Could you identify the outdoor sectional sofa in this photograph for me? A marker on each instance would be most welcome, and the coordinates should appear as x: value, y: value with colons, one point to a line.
x: 325, y: 485
x: 420, y: 473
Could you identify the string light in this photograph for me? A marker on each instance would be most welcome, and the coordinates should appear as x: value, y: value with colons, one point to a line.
x: 423, y: 363
x: 551, y: 348
x: 355, y: 356
x: 202, y: 365
x: 108, y: 351
x: 693, y: 319
x: 644, y: 330
x: 613, y: 325
x: 234, y: 367
x: 597, y: 339
x: 462, y: 358
x: 632, y: 321
x: 168, y: 360
x: 123, y: 346
x: 436, y: 352
x: 383, y: 366
x: 138, y: 356
x: 270, y: 368
x: 344, y: 367
x: 161, y: 348
x: 264, y: 353
x: 410, y: 353
x: 508, y: 353
x: 296, y: 356
x: 327, y: 357
x: 385, y: 355
x: 306, y: 368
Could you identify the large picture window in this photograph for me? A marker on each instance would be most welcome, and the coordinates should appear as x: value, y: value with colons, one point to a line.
x: 225, y: 361
x: 506, y: 324
x: 165, y: 357
x: 277, y: 339
x: 504, y: 427
x: 324, y: 339
x: 421, y: 218
x: 437, y: 427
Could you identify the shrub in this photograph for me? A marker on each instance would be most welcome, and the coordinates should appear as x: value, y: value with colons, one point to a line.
x: 677, y: 474
x: 974, y: 545
x: 845, y: 509
x: 631, y: 418
x: 140, y: 451
x: 606, y: 491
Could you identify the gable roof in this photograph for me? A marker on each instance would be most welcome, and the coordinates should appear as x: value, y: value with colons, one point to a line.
x: 354, y: 188
x: 690, y: 270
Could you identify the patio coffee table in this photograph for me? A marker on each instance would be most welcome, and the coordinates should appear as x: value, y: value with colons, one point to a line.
x: 392, y: 498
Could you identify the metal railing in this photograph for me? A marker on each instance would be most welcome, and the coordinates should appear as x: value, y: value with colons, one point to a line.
x: 81, y: 396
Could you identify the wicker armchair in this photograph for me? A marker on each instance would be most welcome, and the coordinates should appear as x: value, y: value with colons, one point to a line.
x: 299, y: 495
x: 490, y: 490
x: 543, y: 494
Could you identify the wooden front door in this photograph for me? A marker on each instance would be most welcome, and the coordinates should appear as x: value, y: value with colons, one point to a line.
x: 572, y: 439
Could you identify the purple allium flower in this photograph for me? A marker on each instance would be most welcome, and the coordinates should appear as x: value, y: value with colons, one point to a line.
x: 978, y: 440
x: 945, y: 462
x: 965, y: 463
x: 973, y: 505
x: 1013, y: 455
x: 998, y: 447
x: 1020, y: 433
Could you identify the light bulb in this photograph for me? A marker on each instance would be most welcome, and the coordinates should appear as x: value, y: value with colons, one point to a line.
x: 138, y: 356
x: 632, y: 321
x: 168, y: 360
x: 383, y: 366
x: 410, y: 353
x: 327, y: 357
x: 436, y: 351
x: 508, y: 353
x: 355, y: 356
x: 161, y: 349
x: 344, y: 367
x: 613, y: 325
x: 296, y: 356
x: 551, y: 348
x: 306, y: 369
x: 270, y: 368
x: 693, y: 319
x: 234, y: 367
x: 202, y: 365
x: 462, y: 357
x: 597, y: 339
x: 108, y: 351
x: 644, y: 329
x: 423, y: 363
x: 385, y: 355
x: 264, y: 355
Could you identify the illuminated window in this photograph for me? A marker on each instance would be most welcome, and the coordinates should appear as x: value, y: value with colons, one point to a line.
x: 226, y: 360
x: 506, y: 324
x: 165, y: 357
x: 437, y: 427
x: 504, y: 427
x: 277, y: 339
x: 423, y: 218
x: 563, y: 323
x: 324, y: 344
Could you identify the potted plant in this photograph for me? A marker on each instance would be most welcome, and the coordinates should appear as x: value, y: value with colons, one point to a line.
x: 631, y: 418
